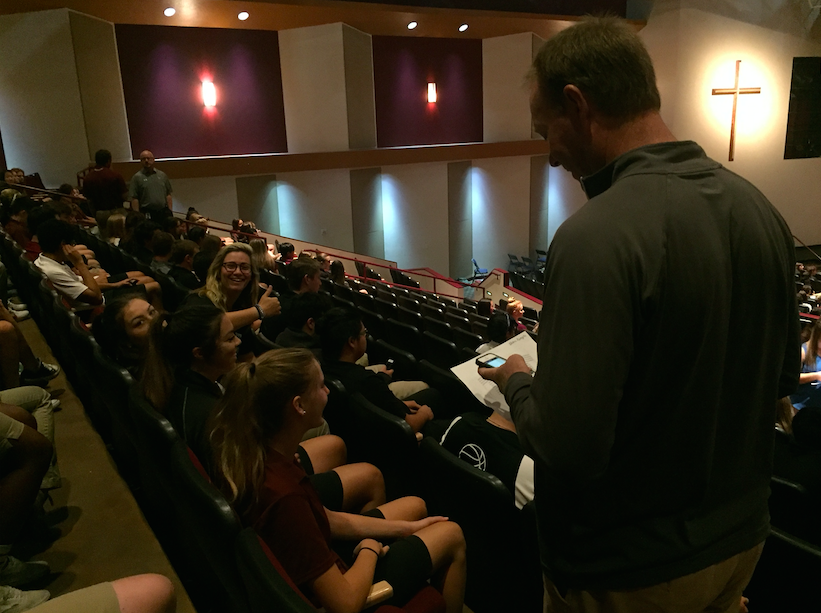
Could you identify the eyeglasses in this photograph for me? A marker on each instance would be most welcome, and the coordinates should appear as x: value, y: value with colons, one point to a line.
x: 232, y: 267
x: 364, y: 332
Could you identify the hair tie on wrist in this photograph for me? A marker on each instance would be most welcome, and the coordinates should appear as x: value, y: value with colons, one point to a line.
x: 369, y: 549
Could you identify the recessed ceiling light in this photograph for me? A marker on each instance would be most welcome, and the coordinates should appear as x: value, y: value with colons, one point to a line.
x: 169, y: 12
x: 243, y: 16
x: 463, y: 27
x: 412, y: 25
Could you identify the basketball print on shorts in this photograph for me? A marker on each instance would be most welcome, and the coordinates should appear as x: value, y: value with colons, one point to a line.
x: 475, y: 455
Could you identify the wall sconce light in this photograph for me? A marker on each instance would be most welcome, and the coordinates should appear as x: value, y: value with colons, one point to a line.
x: 463, y: 27
x: 431, y: 92
x: 209, y: 94
x: 412, y: 25
x: 243, y: 15
x: 170, y: 11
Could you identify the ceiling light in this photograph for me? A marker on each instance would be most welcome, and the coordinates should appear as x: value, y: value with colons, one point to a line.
x: 169, y: 12
x: 463, y: 27
x: 243, y: 16
x: 412, y: 25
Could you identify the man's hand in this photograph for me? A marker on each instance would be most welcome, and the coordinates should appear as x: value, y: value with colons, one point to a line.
x: 515, y: 363
x: 72, y: 255
x: 412, y: 405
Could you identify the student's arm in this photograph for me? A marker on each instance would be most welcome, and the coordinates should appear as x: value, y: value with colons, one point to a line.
x: 92, y: 294
x: 349, y: 526
x: 269, y: 304
x: 339, y: 593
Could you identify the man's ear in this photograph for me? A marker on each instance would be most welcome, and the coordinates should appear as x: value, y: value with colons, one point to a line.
x: 575, y: 103
x: 197, y: 353
x: 311, y: 325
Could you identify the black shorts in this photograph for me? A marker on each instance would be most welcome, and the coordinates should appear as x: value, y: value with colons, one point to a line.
x: 406, y: 566
x: 327, y: 485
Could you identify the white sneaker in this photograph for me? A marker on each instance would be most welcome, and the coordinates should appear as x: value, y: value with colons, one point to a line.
x: 16, y: 306
x: 20, y: 315
x: 13, y: 600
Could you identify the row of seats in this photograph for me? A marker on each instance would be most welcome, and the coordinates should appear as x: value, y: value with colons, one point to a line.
x: 223, y: 566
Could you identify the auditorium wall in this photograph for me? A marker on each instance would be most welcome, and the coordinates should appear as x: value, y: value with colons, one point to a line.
x: 694, y: 46
x: 214, y: 197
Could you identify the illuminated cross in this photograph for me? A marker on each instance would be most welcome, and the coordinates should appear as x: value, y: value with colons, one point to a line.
x: 734, y: 92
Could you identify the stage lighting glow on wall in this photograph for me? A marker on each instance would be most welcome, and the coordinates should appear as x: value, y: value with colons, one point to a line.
x: 169, y: 12
x: 209, y: 94
x: 432, y: 97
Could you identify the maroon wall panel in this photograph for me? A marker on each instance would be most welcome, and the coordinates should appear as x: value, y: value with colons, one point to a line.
x: 162, y: 70
x: 403, y: 67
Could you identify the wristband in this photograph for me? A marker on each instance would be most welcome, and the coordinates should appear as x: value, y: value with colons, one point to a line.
x: 369, y: 549
x: 259, y: 311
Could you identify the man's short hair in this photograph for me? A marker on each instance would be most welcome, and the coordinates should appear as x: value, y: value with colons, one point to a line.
x: 181, y: 249
x: 38, y: 216
x: 53, y: 233
x: 163, y: 242
x: 23, y: 203
x: 169, y: 224
x: 499, y: 325
x: 144, y: 232
x: 606, y: 60
x: 299, y: 269
x: 335, y: 329
x: 102, y: 157
x: 307, y: 306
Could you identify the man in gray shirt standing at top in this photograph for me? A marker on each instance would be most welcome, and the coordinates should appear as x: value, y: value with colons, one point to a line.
x: 651, y: 415
x: 150, y: 189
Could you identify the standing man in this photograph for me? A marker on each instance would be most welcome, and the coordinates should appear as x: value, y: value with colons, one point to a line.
x: 104, y: 188
x: 652, y: 428
x: 150, y: 190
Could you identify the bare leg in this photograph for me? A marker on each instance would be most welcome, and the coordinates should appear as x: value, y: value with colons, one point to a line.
x: 363, y: 487
x: 409, y: 508
x: 25, y: 465
x: 9, y: 355
x: 446, y: 545
x: 326, y: 452
x: 145, y: 594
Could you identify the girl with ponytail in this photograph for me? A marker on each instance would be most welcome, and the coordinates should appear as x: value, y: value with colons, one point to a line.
x: 189, y: 352
x: 255, y: 432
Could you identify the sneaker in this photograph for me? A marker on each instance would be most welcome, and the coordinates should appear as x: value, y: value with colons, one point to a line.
x: 15, y: 572
x: 16, y: 601
x: 20, y: 315
x: 55, y: 404
x: 16, y: 306
x: 43, y: 374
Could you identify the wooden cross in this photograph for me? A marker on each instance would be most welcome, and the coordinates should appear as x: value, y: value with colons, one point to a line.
x: 734, y: 92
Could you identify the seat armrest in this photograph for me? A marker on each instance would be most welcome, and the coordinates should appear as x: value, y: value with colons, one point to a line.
x: 380, y: 592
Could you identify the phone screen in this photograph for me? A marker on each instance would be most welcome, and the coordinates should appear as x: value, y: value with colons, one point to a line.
x: 495, y: 362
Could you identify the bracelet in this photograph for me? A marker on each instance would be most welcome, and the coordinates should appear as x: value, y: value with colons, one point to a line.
x: 369, y: 549
x: 259, y: 311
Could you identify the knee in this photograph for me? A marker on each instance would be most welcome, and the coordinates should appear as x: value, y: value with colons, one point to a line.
x: 454, y: 537
x: 149, y: 593
x: 373, y: 476
x: 21, y: 415
x: 337, y: 446
x: 417, y: 508
x: 6, y: 328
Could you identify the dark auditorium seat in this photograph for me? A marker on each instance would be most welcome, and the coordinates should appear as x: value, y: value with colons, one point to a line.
x: 374, y: 322
x: 431, y: 311
x: 458, y: 321
x: 405, y: 337
x: 463, y: 338
x: 408, y: 303
x: 386, y: 309
x: 411, y: 318
x: 365, y: 301
x: 439, y: 328
x: 440, y: 352
x: 405, y: 363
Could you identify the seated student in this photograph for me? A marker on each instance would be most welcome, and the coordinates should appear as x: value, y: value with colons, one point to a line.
x: 196, y: 234
x: 24, y: 460
x: 809, y: 388
x: 343, y: 338
x: 115, y: 229
x: 189, y: 352
x: 70, y: 276
x: 161, y: 246
x: 501, y: 328
x: 798, y: 457
x: 306, y: 311
x: 181, y: 259
x: 283, y: 392
x: 174, y: 226
x: 209, y: 248
x: 15, y: 217
x: 147, y: 593
x: 261, y: 256
x: 303, y: 276
x: 485, y: 307
x: 122, y: 330
x: 287, y: 253
x: 492, y: 445
x: 232, y: 285
x: 515, y: 309
x: 337, y: 271
x: 324, y: 265
x: 141, y: 245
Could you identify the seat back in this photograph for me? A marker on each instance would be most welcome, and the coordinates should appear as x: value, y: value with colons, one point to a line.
x: 441, y: 352
x: 374, y: 322
x: 386, y: 308
x: 268, y: 586
x: 385, y: 293
x: 434, y: 312
x: 458, y: 321
x: 406, y: 337
x: 172, y: 293
x: 338, y: 415
x: 408, y: 303
x: 366, y: 301
x: 439, y: 328
x: 466, y: 339
x: 405, y: 365
x: 480, y: 329
x: 411, y: 318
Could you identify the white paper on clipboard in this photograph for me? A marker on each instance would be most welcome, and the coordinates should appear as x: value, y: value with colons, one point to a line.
x: 486, y: 391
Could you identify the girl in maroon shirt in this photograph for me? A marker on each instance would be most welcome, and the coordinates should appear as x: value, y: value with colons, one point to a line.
x: 256, y: 428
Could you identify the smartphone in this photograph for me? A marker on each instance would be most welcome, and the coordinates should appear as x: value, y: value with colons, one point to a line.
x: 389, y: 364
x: 490, y: 360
